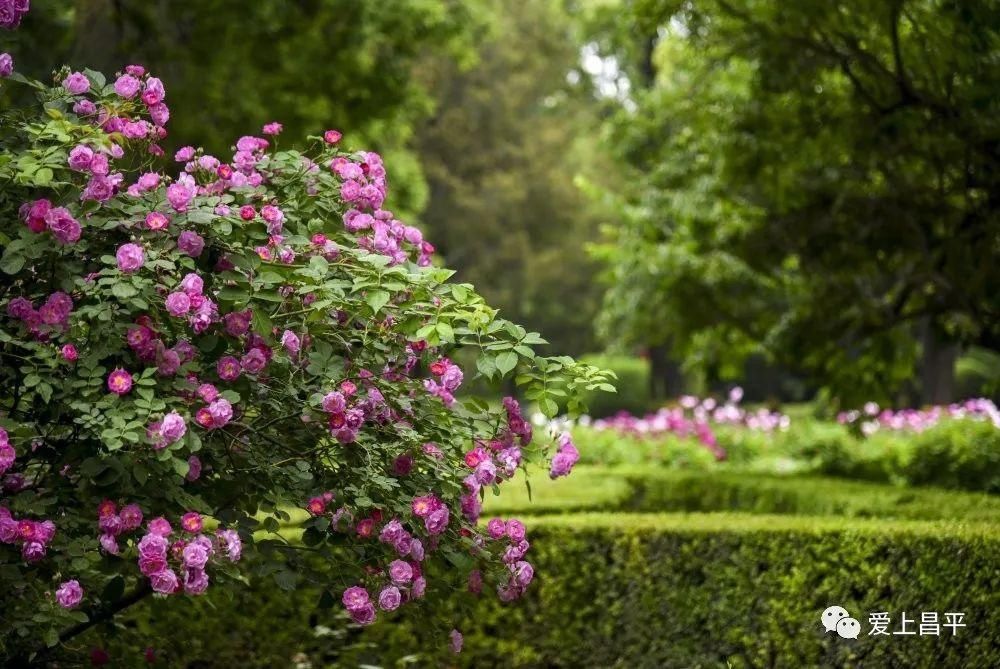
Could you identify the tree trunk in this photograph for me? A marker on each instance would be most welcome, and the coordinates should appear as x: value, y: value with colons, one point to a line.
x: 937, y: 368
x: 665, y: 377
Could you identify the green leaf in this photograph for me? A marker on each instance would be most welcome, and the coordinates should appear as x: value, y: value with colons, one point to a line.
x: 446, y: 332
x: 506, y: 362
x: 377, y: 299
x: 124, y: 291
x: 43, y: 177
x: 548, y: 407
x: 286, y: 580
x: 12, y: 261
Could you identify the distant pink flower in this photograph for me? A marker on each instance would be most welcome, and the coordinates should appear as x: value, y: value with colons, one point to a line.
x: 181, y: 193
x: 76, y: 83
x: 120, y: 382
x: 400, y: 572
x: 69, y: 353
x: 164, y: 581
x: 389, y: 598
x: 272, y: 128
x: 184, y: 154
x: 157, y: 221
x: 131, y: 517
x: 178, y: 304
x: 127, y: 86
x: 355, y: 598
x: 496, y: 528
x: 191, y: 522
x: 69, y: 594
x: 154, y: 92
x: 192, y: 284
x: 80, y: 157
x: 84, y: 108
x: 208, y: 392
x: 194, y: 468
x: 130, y: 257
x: 221, y: 412
x: 230, y: 544
x: 6, y: 65
x: 160, y: 527
x: 190, y: 243
x: 291, y: 342
x: 63, y: 226
x: 228, y: 368
x: 332, y: 136
x: 437, y: 520
x: 173, y: 427
x: 455, y: 641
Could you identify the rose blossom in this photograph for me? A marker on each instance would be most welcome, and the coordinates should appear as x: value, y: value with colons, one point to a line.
x: 173, y: 427
x: 70, y: 594
x: 178, y: 304
x: 120, y: 382
x: 191, y: 522
x: 130, y: 257
x: 389, y: 598
x: 63, y: 226
x: 80, y: 158
x: 164, y: 581
x: 400, y: 572
x: 127, y: 86
x: 157, y: 221
x: 190, y: 243
x: 76, y: 83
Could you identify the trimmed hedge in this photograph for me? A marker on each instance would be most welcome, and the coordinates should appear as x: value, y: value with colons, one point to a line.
x: 649, y: 590
x: 957, y: 454
x: 643, y: 489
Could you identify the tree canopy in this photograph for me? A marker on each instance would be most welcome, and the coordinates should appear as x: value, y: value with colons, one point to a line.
x: 817, y: 181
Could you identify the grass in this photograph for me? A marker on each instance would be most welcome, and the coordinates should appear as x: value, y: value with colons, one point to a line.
x: 632, y: 489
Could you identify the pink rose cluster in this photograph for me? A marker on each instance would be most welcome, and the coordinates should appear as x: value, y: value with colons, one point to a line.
x: 103, y: 183
x: 513, y: 534
x: 401, y: 582
x: 149, y: 348
x: 132, y: 84
x: 566, y: 456
x: 40, y: 216
x: 33, y: 536
x: 872, y: 418
x: 12, y: 11
x: 218, y: 411
x: 113, y: 523
x: 191, y: 303
x: 7, y: 453
x: 180, y: 565
x: 449, y: 378
x: 51, y: 317
x: 363, y: 185
x: 343, y: 420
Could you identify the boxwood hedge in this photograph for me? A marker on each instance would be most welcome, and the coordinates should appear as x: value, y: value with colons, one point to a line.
x: 647, y: 590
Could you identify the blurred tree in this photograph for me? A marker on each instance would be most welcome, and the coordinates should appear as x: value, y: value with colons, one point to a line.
x: 818, y: 181
x: 507, y: 156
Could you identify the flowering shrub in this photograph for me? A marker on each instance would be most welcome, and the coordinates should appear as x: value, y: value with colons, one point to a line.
x: 692, y: 418
x: 188, y: 354
x: 872, y: 418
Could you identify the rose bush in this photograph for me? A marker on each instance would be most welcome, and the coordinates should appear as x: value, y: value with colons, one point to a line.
x: 187, y: 354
